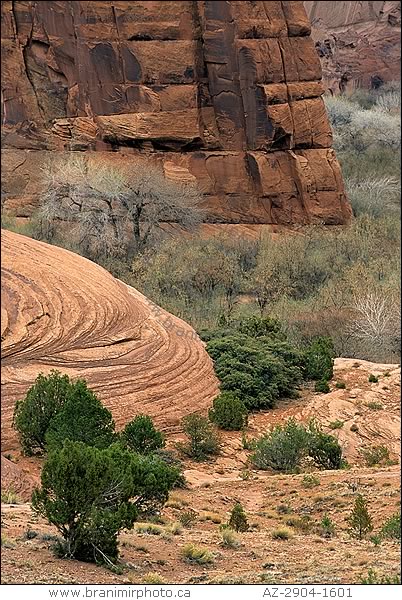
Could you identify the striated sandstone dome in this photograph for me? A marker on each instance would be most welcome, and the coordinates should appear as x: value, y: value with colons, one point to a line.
x: 61, y: 311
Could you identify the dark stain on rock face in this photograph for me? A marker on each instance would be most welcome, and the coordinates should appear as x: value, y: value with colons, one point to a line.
x: 105, y: 63
x: 132, y: 68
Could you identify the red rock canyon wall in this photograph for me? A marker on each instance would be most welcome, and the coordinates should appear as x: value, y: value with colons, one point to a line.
x: 359, y: 42
x: 226, y: 93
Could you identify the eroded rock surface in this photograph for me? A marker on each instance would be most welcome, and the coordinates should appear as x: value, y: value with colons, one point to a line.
x: 227, y: 93
x: 359, y: 42
x: 61, y: 311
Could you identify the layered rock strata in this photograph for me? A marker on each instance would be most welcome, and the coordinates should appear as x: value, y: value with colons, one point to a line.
x: 61, y: 311
x: 224, y: 93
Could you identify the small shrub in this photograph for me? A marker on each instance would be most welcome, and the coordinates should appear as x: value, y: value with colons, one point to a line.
x: 148, y: 528
x: 302, y: 524
x: 373, y: 378
x: 9, y: 496
x: 281, y: 534
x: 281, y: 449
x: 319, y: 360
x: 360, y: 521
x: 203, y: 441
x: 341, y: 385
x: 246, y: 443
x: 323, y: 448
x: 229, y: 412
x: 284, y: 509
x: 327, y: 527
x: 188, y: 518
x: 141, y: 436
x: 392, y: 527
x: 49, y: 537
x: 6, y: 542
x: 336, y: 424
x: 175, y: 501
x: 197, y: 554
x: 374, y: 579
x: 374, y: 405
x: 310, y: 481
x: 354, y: 428
x: 30, y: 534
x: 230, y: 539
x: 375, y: 455
x: 238, y: 518
x: 213, y: 517
x: 322, y: 386
x: 153, y: 578
x: 376, y: 540
x: 175, y: 528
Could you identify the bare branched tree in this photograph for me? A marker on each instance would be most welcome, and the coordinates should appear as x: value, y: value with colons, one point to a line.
x: 377, y: 320
x: 114, y: 210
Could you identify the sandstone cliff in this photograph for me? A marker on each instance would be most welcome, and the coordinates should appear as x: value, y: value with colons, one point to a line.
x: 227, y: 93
x: 61, y: 311
x: 359, y: 42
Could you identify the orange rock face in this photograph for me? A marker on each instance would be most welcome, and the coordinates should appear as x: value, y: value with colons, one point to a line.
x: 359, y: 42
x: 227, y: 93
x: 61, y: 311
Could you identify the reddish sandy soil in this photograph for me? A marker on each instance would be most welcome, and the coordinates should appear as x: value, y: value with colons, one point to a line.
x: 214, y: 487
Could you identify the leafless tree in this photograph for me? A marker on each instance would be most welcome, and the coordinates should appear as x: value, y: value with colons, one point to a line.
x: 377, y: 320
x: 114, y: 210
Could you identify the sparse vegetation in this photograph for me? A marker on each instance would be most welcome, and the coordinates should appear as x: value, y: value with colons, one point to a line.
x: 210, y: 516
x: 203, y: 441
x: 197, y: 554
x: 149, y: 528
x: 338, y: 424
x: 187, y: 518
x: 153, y: 578
x: 282, y: 534
x: 310, y: 481
x: 175, y: 528
x: 373, y: 578
x: 373, y: 378
x: 392, y: 527
x: 327, y: 527
x: 6, y: 542
x: 340, y: 385
x: 30, y: 534
x: 238, y: 518
x: 376, y: 455
x: 9, y: 496
x: 375, y: 405
x: 360, y: 520
x: 230, y: 539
